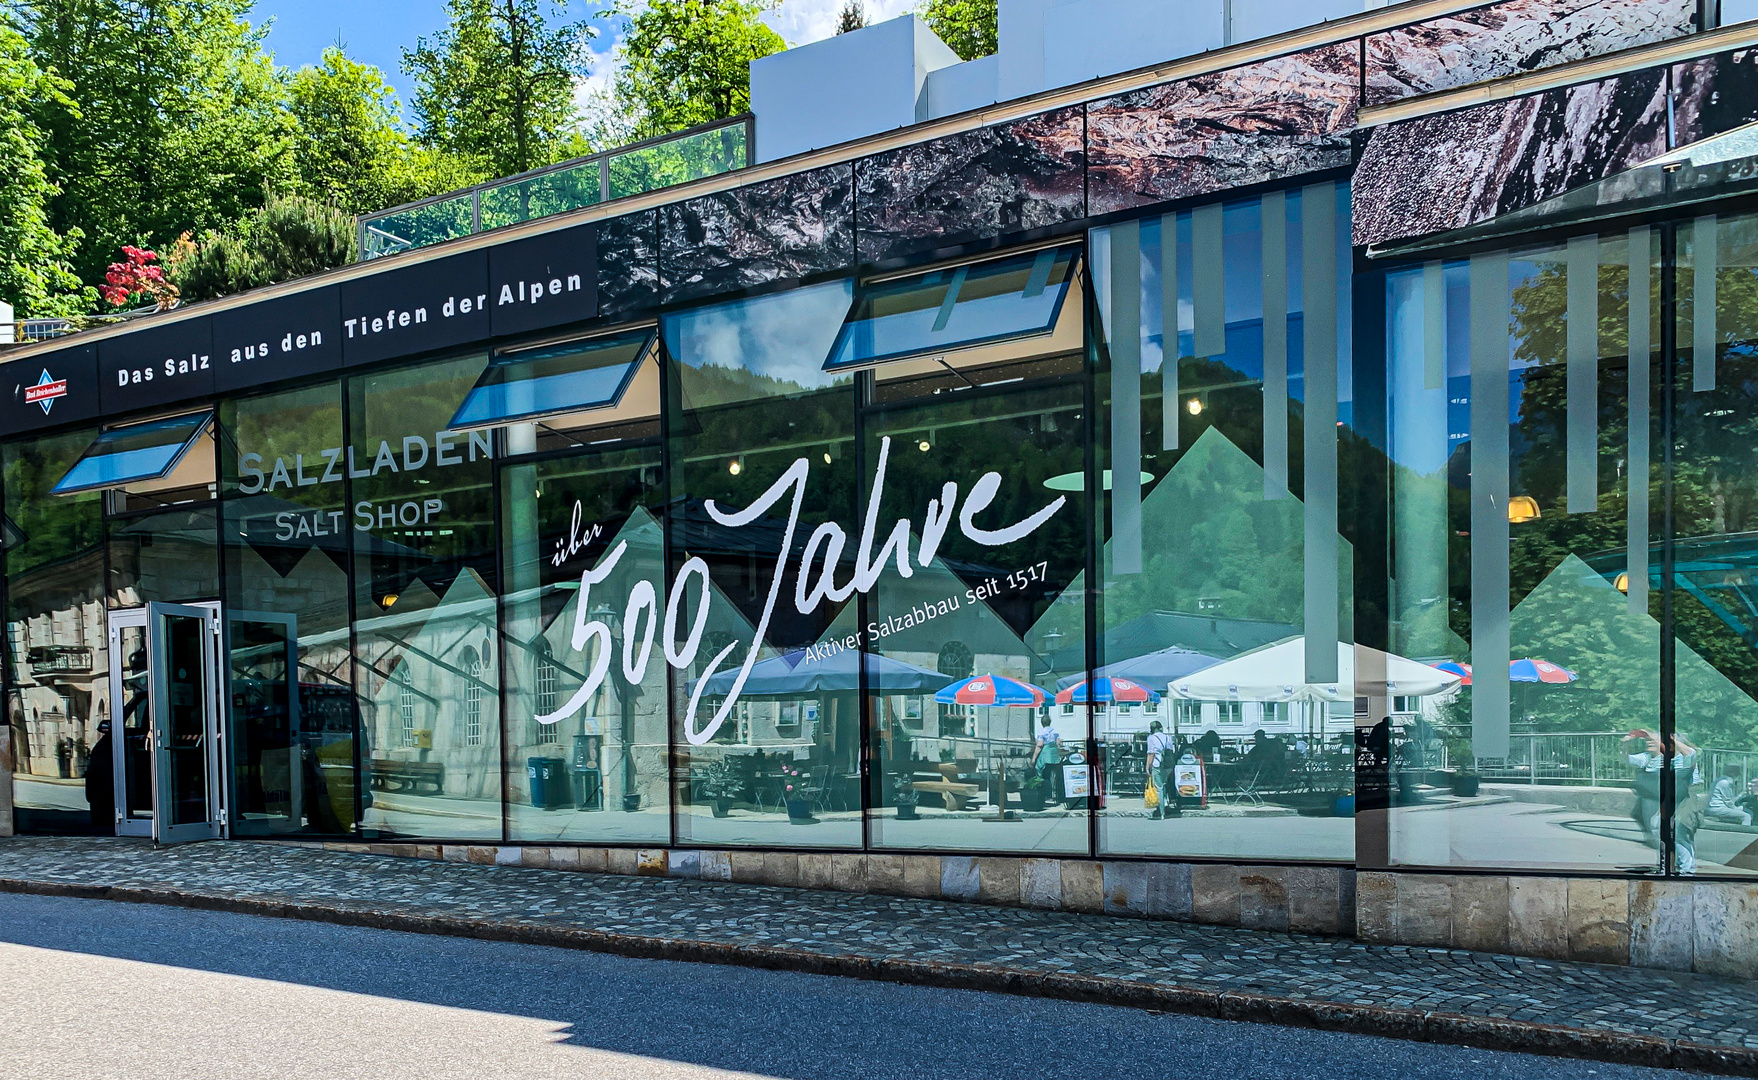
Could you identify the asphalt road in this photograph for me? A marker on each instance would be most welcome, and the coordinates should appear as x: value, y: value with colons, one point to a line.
x: 100, y: 990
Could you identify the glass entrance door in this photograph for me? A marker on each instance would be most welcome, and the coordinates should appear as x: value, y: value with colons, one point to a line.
x: 164, y: 679
x: 182, y: 677
x: 131, y: 740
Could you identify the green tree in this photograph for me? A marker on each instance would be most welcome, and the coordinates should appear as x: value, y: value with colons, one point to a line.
x: 852, y: 17
x: 289, y: 237
x: 688, y: 62
x: 35, y: 272
x: 967, y: 26
x: 497, y: 84
x: 181, y: 121
x: 351, y: 149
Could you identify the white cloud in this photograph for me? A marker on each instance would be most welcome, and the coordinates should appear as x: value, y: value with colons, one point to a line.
x: 800, y: 22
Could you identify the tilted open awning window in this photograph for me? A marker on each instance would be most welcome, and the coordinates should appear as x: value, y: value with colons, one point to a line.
x: 547, y: 380
x: 957, y: 307
x: 149, y: 450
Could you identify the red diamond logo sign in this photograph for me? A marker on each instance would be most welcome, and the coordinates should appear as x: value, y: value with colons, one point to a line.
x: 46, y: 390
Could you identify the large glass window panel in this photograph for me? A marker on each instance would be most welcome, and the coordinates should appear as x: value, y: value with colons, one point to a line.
x: 1715, y: 547
x: 583, y: 765
x: 1521, y: 442
x: 548, y: 380
x: 778, y: 764
x: 149, y: 450
x: 427, y: 664
x: 981, y: 594
x: 172, y: 556
x: 762, y: 349
x: 1016, y: 296
x: 57, y: 668
x: 1225, y: 684
x: 286, y: 530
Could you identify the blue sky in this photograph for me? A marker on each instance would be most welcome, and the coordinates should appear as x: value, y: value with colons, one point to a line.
x: 376, y: 31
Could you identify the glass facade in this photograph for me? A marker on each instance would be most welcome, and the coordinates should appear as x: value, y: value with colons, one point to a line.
x: 1565, y: 424
x: 1194, y: 534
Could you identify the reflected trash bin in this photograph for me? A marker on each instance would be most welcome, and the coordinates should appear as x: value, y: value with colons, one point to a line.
x: 549, y: 783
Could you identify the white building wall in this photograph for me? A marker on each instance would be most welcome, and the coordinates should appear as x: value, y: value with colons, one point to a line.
x: 897, y: 73
x: 963, y: 87
x: 844, y: 87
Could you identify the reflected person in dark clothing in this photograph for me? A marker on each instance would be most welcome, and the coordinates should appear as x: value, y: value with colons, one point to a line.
x: 100, y: 782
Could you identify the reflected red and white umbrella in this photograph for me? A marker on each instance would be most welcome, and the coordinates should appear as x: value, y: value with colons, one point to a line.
x: 1542, y: 671
x: 1109, y: 691
x: 992, y: 690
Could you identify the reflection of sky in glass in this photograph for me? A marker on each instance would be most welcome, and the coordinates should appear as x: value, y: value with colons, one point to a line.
x: 500, y: 401
x: 783, y: 335
x: 1242, y: 254
x: 137, y: 452
x: 1419, y: 413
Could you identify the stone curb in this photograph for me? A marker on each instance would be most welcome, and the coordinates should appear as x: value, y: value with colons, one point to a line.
x: 1416, y: 1025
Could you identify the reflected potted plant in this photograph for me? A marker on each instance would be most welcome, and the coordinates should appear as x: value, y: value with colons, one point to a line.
x: 1031, y: 793
x: 905, y: 795
x: 1465, y: 782
x: 721, y: 785
x: 795, y: 795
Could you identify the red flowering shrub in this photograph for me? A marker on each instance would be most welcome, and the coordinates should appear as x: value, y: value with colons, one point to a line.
x: 138, y: 276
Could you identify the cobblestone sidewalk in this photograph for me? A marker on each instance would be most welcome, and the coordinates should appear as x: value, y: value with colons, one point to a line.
x: 1615, y: 1013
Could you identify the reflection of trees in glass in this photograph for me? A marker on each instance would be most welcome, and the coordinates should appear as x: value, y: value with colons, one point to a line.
x: 1211, y: 543
x: 419, y: 226
x: 1575, y: 618
x: 55, y: 527
x: 551, y: 193
x: 690, y: 158
x: 1717, y: 439
x: 712, y: 384
x: 283, y: 425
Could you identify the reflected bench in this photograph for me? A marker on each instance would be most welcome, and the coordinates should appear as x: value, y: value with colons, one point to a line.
x: 406, y: 776
x: 957, y: 796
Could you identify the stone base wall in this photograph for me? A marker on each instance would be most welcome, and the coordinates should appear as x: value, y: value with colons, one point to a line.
x: 1302, y: 899
x: 1704, y: 926
x: 1708, y: 927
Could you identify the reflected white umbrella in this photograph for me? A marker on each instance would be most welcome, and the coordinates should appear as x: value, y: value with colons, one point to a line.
x: 1277, y: 672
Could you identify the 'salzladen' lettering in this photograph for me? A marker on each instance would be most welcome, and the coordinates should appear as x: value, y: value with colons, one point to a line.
x: 828, y: 539
x: 447, y: 448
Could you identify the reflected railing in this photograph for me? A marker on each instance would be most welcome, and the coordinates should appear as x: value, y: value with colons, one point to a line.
x: 1583, y: 759
x: 707, y: 150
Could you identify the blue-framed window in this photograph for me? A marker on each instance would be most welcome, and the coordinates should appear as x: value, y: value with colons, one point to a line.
x: 548, y: 380
x: 959, y: 307
x: 135, y: 453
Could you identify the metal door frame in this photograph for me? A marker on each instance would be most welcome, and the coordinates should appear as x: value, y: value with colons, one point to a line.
x: 216, y: 824
x: 131, y: 617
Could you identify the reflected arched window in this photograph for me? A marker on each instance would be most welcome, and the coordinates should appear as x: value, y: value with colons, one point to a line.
x: 406, y: 706
x: 473, y: 667
x: 545, y: 683
x: 956, y: 660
